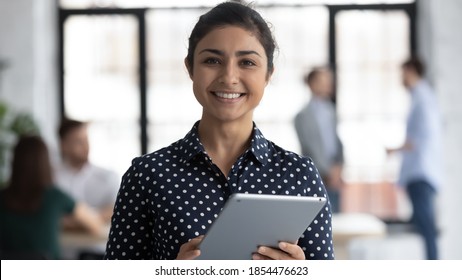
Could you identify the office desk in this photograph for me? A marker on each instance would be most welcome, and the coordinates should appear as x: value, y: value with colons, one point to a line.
x: 76, y: 243
x: 349, y: 226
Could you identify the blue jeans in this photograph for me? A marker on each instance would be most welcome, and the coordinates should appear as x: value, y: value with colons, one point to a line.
x: 421, y: 194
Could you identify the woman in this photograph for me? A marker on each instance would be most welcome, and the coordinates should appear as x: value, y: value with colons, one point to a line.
x: 169, y: 198
x: 31, y: 208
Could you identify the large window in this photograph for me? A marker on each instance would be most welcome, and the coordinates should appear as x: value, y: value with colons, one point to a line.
x: 369, y: 43
x: 136, y: 108
x: 100, y: 74
x: 371, y: 102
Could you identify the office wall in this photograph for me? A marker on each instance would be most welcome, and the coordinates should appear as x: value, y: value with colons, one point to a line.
x: 440, y: 42
x: 28, y: 42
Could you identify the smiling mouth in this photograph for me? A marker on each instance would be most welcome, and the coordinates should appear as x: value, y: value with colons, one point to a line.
x: 228, y: 95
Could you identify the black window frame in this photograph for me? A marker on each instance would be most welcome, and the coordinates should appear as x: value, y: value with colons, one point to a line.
x: 140, y: 15
x: 410, y: 9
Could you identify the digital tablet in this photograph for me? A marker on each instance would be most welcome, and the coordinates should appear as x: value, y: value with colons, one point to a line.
x: 250, y: 220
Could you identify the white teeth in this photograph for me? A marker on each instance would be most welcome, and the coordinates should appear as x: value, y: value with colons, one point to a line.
x: 227, y: 95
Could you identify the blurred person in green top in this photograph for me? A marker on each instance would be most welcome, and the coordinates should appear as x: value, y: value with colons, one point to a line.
x: 31, y: 207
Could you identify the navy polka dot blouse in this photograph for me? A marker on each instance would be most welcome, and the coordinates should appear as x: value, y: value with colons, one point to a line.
x: 172, y: 195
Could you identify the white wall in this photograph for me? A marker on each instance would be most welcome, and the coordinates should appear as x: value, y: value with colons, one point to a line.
x: 440, y: 43
x: 28, y: 43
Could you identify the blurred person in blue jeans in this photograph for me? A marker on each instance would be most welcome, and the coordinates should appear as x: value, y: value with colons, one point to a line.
x: 421, y: 166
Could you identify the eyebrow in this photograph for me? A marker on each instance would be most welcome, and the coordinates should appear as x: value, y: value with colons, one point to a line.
x: 221, y: 53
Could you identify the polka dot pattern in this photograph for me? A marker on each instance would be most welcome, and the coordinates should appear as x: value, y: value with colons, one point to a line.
x: 172, y: 195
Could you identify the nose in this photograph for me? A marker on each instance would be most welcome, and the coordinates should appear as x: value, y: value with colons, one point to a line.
x: 229, y: 74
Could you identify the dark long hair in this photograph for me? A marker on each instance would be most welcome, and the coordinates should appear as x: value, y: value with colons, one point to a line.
x: 31, y: 174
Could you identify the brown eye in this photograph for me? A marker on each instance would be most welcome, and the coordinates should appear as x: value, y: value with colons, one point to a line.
x: 247, y: 62
x: 211, y: 60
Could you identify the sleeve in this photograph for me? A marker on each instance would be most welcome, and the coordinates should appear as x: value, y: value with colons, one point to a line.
x: 339, y: 157
x: 310, y: 140
x: 131, y: 235
x: 67, y: 203
x: 316, y: 241
x: 414, y: 121
x: 421, y: 120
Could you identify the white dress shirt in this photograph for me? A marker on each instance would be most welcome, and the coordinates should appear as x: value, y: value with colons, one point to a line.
x: 92, y: 185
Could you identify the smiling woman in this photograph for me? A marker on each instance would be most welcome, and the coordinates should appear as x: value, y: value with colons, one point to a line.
x: 229, y: 76
x: 169, y: 198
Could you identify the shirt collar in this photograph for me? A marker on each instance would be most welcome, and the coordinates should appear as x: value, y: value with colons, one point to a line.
x: 190, y: 145
x: 259, y: 146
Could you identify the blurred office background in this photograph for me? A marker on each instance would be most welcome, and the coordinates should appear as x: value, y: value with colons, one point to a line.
x: 119, y: 65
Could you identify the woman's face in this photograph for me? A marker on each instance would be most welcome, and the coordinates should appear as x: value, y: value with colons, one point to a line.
x: 230, y: 74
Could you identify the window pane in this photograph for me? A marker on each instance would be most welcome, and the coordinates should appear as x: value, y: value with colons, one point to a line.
x: 101, y: 85
x: 172, y: 107
x: 302, y: 37
x: 371, y: 103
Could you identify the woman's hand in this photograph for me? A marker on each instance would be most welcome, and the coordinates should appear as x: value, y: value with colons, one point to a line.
x: 286, y: 251
x: 190, y: 250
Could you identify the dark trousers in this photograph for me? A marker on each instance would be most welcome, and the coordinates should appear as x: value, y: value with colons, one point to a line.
x: 422, y: 194
x: 334, y: 199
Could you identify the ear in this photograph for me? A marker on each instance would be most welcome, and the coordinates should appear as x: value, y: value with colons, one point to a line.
x: 188, y: 67
x: 269, y: 75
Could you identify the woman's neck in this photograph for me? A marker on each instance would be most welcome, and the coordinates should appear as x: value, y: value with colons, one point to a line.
x: 224, y: 142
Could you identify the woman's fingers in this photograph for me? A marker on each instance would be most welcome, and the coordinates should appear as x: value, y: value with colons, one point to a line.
x: 190, y: 250
x: 286, y: 251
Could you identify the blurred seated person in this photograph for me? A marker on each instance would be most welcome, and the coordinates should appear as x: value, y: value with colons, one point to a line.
x: 31, y: 207
x: 78, y: 177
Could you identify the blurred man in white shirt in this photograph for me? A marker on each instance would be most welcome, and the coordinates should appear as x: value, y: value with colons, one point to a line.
x: 84, y: 181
